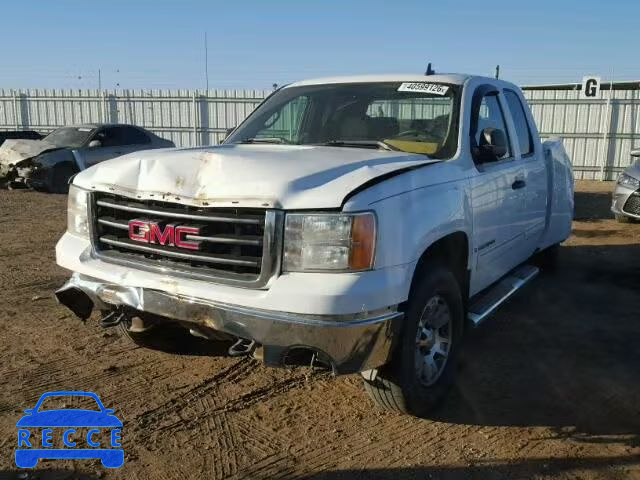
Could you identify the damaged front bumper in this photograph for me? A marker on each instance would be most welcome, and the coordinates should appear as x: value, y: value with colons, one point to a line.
x: 350, y: 343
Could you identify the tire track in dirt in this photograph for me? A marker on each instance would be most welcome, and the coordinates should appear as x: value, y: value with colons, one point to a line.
x: 180, y: 400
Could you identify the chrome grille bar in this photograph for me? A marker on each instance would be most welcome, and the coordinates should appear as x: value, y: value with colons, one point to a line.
x: 173, y: 214
x: 175, y: 254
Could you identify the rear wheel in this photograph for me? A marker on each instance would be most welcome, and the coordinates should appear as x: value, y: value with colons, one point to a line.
x: 547, y: 259
x: 623, y: 218
x: 424, y: 364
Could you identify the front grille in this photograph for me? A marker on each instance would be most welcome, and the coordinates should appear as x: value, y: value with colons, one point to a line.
x: 231, y: 241
x: 632, y: 205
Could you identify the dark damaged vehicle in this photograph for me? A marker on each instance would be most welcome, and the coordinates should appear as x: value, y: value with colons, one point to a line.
x: 48, y: 164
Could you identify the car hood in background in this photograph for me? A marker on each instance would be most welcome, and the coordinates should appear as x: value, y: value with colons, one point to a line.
x: 16, y: 151
x: 634, y: 169
x: 271, y: 176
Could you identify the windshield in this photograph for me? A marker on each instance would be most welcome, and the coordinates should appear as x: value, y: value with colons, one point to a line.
x: 65, y: 402
x: 69, y: 136
x: 416, y: 117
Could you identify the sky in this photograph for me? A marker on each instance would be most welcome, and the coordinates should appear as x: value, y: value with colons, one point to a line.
x: 254, y: 44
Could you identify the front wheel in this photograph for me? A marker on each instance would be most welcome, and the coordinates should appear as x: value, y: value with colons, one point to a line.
x: 60, y: 177
x: 424, y: 364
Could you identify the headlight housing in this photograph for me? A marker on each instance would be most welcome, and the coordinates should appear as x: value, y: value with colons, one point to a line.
x: 329, y: 242
x: 628, y: 181
x: 77, y: 212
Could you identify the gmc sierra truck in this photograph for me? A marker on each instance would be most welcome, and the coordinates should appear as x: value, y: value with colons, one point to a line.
x: 360, y: 223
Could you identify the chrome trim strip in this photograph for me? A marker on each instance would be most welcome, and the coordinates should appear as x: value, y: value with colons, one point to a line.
x: 227, y: 239
x: 122, y: 226
x: 183, y: 255
x: 189, y: 216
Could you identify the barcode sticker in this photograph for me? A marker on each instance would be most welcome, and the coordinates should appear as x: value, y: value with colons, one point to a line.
x: 433, y: 88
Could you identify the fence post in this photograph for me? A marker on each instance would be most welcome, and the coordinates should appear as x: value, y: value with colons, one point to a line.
x: 15, y: 109
x: 103, y: 95
x: 606, y: 135
x: 195, y: 120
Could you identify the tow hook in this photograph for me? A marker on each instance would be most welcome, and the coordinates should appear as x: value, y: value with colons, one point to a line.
x: 113, y: 318
x: 242, y: 347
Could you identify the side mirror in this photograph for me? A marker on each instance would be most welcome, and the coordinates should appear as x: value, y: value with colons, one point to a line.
x: 228, y: 132
x: 493, y: 145
x: 29, y: 410
x: 635, y: 153
x: 95, y: 144
x: 109, y: 411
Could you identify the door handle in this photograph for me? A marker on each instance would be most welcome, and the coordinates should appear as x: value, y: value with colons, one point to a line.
x: 518, y: 183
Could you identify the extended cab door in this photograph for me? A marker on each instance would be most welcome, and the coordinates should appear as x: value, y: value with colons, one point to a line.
x: 535, y: 171
x: 497, y: 196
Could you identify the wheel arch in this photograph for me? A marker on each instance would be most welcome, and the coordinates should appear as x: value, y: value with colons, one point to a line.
x: 452, y: 250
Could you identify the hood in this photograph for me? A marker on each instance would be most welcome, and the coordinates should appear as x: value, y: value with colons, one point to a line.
x: 16, y: 151
x: 272, y: 176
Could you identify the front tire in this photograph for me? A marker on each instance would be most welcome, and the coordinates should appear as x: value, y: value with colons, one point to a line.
x: 424, y: 363
x: 60, y: 176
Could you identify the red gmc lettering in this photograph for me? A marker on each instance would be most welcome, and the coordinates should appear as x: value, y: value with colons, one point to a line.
x: 157, y: 235
x: 170, y: 235
x: 139, y: 231
x: 181, y: 232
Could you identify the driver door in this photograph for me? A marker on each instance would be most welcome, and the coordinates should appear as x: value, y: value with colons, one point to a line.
x: 497, y: 201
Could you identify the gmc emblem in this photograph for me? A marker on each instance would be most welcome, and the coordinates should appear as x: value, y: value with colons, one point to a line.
x: 169, y: 235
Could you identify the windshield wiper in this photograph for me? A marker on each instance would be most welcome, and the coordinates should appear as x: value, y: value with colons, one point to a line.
x: 264, y: 140
x: 359, y: 144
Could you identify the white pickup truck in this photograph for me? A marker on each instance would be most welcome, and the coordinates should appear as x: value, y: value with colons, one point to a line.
x: 361, y: 223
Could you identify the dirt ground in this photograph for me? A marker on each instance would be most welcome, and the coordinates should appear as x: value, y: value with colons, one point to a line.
x: 548, y: 388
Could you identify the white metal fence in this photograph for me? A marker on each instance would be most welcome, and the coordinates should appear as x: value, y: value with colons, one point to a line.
x: 598, y: 133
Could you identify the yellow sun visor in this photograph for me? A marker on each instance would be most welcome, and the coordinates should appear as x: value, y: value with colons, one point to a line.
x: 425, y: 148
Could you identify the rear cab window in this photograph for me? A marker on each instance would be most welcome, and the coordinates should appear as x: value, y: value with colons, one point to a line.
x: 521, y: 124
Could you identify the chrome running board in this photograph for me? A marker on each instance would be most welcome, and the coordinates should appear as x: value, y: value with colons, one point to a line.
x: 486, y: 302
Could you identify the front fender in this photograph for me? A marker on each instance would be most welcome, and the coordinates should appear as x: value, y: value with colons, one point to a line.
x: 411, y: 222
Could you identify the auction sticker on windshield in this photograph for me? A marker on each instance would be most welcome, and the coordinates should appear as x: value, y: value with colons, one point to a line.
x: 432, y: 88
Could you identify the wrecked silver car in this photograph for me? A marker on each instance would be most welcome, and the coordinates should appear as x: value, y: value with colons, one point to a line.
x: 48, y: 164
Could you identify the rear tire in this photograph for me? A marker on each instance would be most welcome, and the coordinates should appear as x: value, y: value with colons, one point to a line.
x: 424, y: 364
x: 623, y: 218
x: 547, y: 259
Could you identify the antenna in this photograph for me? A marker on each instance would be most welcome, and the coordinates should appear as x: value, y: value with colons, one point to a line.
x: 430, y: 71
x: 206, y: 62
x: 497, y: 71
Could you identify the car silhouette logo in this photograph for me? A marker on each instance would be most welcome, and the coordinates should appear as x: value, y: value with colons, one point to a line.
x: 70, y: 425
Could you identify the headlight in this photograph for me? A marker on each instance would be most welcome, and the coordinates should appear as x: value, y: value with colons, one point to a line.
x: 628, y: 181
x: 77, y: 216
x: 334, y: 242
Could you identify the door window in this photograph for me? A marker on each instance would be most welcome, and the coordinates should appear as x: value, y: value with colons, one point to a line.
x: 119, y: 136
x: 490, y: 115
